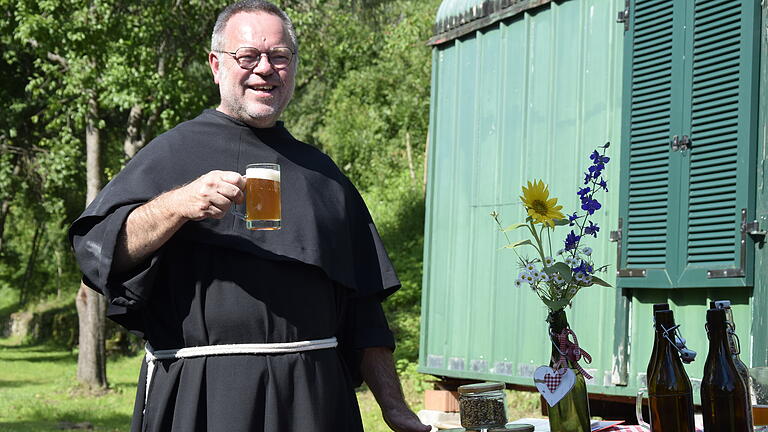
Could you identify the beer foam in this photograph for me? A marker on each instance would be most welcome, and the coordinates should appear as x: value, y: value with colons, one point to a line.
x: 263, y: 173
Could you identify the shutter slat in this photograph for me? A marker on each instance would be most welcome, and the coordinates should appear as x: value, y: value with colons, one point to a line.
x: 728, y: 87
x: 719, y: 30
x: 726, y: 100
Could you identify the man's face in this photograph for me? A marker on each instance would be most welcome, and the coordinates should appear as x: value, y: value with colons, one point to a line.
x: 256, y: 97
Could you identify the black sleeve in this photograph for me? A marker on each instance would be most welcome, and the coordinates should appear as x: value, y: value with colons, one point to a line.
x: 364, y: 326
x: 94, y: 240
x: 370, y: 324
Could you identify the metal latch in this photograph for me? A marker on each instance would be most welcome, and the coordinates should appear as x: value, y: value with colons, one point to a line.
x: 686, y: 143
x: 753, y: 229
x: 678, y: 143
x: 623, y: 16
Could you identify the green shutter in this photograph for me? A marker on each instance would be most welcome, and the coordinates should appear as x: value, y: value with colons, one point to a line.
x: 651, y: 69
x: 690, y: 80
x: 719, y: 170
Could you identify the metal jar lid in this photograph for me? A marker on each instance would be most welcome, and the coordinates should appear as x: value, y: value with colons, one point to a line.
x: 481, y: 387
x: 521, y: 427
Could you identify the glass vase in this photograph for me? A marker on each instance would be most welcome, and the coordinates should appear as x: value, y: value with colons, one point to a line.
x: 571, y: 413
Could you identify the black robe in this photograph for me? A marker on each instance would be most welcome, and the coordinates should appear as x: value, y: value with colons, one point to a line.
x: 214, y: 282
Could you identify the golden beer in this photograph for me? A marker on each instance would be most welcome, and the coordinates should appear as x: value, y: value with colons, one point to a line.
x: 758, y: 384
x: 262, y: 197
x: 760, y: 415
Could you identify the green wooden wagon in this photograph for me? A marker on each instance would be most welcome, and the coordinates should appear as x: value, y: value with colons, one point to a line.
x: 526, y: 89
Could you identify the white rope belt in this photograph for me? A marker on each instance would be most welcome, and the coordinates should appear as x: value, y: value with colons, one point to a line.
x: 231, y: 349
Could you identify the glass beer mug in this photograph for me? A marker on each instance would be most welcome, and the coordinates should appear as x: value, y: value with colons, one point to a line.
x: 262, y: 197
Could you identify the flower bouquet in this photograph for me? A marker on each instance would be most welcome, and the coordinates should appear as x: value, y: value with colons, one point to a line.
x: 556, y: 278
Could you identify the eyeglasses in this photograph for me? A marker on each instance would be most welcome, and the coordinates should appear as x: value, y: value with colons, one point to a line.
x: 248, y: 58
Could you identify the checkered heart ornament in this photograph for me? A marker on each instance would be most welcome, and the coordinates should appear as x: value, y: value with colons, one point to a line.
x: 555, y: 382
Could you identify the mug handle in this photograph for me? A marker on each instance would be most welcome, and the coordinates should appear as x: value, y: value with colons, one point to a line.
x: 235, y: 208
x: 639, y: 409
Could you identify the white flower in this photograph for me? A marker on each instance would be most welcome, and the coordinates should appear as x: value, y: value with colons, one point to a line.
x: 518, y: 282
x: 528, y: 278
x: 548, y: 261
x: 588, y: 279
x: 558, y: 278
x: 572, y: 262
x: 522, y: 274
x: 580, y: 277
x: 543, y: 277
x: 586, y: 250
x: 530, y: 267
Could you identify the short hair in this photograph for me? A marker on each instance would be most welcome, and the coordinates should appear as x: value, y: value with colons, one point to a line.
x: 217, y: 38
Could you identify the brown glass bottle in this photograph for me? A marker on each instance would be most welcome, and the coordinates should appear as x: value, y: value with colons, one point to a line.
x: 669, y: 389
x: 735, y: 348
x: 724, y: 400
x: 649, y: 370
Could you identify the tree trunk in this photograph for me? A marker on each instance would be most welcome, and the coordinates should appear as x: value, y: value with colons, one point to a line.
x: 91, y: 306
x: 24, y: 291
x: 5, y: 207
x: 133, y: 137
x: 409, y: 153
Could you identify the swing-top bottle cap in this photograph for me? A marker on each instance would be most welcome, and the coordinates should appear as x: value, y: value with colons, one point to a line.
x: 665, y: 318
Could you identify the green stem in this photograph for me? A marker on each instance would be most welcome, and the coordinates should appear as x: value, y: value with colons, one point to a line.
x: 501, y: 228
x: 536, y: 237
x: 549, y: 238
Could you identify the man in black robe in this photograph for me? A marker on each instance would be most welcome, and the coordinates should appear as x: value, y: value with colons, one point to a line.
x: 213, y: 298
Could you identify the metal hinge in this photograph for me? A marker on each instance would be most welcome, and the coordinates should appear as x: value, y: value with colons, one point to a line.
x: 737, y: 272
x: 615, y: 236
x: 623, y: 16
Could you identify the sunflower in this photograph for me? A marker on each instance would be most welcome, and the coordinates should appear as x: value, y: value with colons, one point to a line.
x: 541, y: 208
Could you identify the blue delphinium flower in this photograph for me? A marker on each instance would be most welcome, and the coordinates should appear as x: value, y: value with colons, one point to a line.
x: 572, y: 219
x: 571, y: 241
x: 584, y: 268
x: 592, y: 229
x: 590, y: 205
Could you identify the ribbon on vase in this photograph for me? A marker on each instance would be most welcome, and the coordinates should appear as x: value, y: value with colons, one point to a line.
x: 570, y: 351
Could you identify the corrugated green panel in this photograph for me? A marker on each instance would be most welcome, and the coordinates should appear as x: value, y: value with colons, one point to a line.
x: 718, y: 171
x: 526, y: 98
x: 759, y: 348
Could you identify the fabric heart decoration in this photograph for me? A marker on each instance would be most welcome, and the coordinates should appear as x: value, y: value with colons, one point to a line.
x: 554, y: 384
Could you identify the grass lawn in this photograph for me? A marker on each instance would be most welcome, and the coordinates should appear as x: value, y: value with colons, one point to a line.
x: 38, y: 393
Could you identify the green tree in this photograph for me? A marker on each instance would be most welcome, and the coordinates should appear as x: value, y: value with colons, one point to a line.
x: 89, y: 82
x: 375, y: 127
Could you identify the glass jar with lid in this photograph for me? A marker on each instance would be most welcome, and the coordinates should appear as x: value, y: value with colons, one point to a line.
x: 482, y: 405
